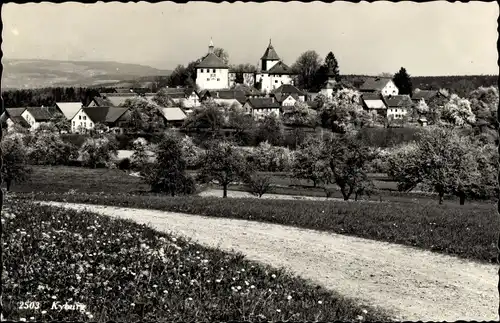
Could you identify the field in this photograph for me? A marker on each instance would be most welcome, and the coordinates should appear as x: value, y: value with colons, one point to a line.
x: 466, y: 231
x: 123, y: 271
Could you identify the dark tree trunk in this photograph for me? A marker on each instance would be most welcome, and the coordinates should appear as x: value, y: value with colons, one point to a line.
x: 344, y: 193
x: 8, y: 182
x: 355, y: 196
x: 462, y: 199
x: 441, y: 197
x: 314, y: 183
x: 224, y: 189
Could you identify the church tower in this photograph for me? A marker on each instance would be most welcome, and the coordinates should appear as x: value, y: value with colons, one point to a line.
x: 270, y: 58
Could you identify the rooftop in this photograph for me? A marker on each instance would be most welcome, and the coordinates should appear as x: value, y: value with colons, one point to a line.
x: 263, y: 103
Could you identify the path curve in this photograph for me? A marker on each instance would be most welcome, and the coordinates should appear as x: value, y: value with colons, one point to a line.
x: 418, y: 285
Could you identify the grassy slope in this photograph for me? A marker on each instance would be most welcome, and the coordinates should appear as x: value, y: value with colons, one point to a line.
x: 123, y: 271
x: 467, y: 231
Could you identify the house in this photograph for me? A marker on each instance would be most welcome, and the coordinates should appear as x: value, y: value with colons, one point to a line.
x: 111, y: 99
x: 260, y: 107
x: 227, y: 97
x: 273, y: 72
x: 398, y: 106
x: 328, y: 89
x: 12, y: 116
x: 173, y: 116
x: 212, y: 73
x: 287, y: 100
x: 185, y: 97
x: 287, y: 89
x: 38, y: 115
x: 425, y: 95
x: 69, y: 109
x: 86, y: 118
x: 382, y: 85
x: 374, y: 102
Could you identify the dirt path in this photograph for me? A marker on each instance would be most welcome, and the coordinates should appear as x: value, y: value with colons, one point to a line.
x: 416, y: 284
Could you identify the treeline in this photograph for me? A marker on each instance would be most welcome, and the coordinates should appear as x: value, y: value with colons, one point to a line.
x: 49, y: 96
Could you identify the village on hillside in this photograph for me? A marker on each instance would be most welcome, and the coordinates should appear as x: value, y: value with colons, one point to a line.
x: 272, y: 89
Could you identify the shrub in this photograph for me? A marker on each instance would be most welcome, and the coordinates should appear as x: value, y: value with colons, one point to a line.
x: 124, y: 164
x: 14, y: 155
x: 98, y: 152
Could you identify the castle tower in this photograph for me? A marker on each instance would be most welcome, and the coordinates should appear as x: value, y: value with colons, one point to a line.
x: 270, y: 58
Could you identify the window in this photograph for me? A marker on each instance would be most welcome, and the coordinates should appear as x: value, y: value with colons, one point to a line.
x: 201, y: 71
x: 79, y: 117
x: 85, y: 124
x: 84, y: 117
x: 208, y: 79
x: 275, y: 81
x: 213, y: 71
x: 74, y: 123
x: 218, y: 79
x: 91, y: 124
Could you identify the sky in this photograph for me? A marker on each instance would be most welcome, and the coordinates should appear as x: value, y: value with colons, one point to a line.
x: 435, y: 38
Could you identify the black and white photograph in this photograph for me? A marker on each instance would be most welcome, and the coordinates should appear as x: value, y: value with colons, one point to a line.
x: 245, y: 161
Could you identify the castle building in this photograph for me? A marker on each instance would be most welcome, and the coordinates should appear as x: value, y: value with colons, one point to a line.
x: 273, y: 72
x: 212, y: 73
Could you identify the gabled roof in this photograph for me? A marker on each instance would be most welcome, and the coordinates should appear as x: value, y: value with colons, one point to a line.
x: 263, y: 103
x: 371, y: 96
x: 104, y: 114
x: 102, y: 102
x: 69, y: 109
x: 396, y: 101
x: 117, y: 99
x: 288, y: 89
x: 270, y: 53
x: 173, y: 114
x: 376, y: 104
x: 15, y: 112
x: 375, y: 84
x: 211, y: 61
x: 280, y: 97
x: 280, y: 68
x: 42, y: 114
x: 229, y: 94
x: 424, y: 94
x: 20, y: 121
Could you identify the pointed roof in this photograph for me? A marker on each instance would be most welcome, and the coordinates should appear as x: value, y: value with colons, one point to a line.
x: 280, y: 68
x: 375, y: 84
x: 270, y: 53
x: 104, y: 114
x: 288, y: 89
x: 211, y: 61
x: 69, y: 109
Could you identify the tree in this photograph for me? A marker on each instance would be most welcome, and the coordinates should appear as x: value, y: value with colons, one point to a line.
x: 442, y: 161
x: 100, y: 127
x: 167, y: 174
x: 222, y: 54
x: 268, y: 158
x: 348, y: 159
x: 47, y: 148
x: 14, y: 155
x: 225, y: 164
x: 162, y: 98
x: 403, y: 81
x: 310, y: 164
x: 241, y: 122
x: 145, y: 116
x: 258, y: 184
x: 329, y: 69
x: 458, y: 112
x: 139, y: 158
x: 484, y: 104
x: 300, y: 115
x: 344, y: 112
x: 306, y: 67
x: 190, y: 152
x: 208, y: 116
x: 99, y: 151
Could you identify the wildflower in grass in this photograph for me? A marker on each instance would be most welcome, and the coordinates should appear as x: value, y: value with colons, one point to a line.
x: 238, y: 287
x: 165, y: 292
x: 364, y: 311
x: 320, y: 302
x: 217, y: 280
x: 359, y: 318
x: 53, y: 297
x: 278, y: 310
x: 289, y: 297
x: 22, y: 319
x: 154, y: 286
x: 273, y: 276
x: 44, y: 312
x: 32, y: 318
x: 247, y: 283
x: 252, y: 286
x: 189, y: 299
x: 132, y: 304
x: 242, y: 270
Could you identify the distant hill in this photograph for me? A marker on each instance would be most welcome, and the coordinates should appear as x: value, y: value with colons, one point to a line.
x: 36, y: 73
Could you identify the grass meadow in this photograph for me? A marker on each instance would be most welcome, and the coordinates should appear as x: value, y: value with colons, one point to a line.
x: 122, y: 271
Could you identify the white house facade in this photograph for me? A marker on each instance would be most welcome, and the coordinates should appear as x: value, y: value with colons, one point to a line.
x: 390, y: 89
x: 212, y: 73
x: 274, y: 73
x: 81, y: 122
